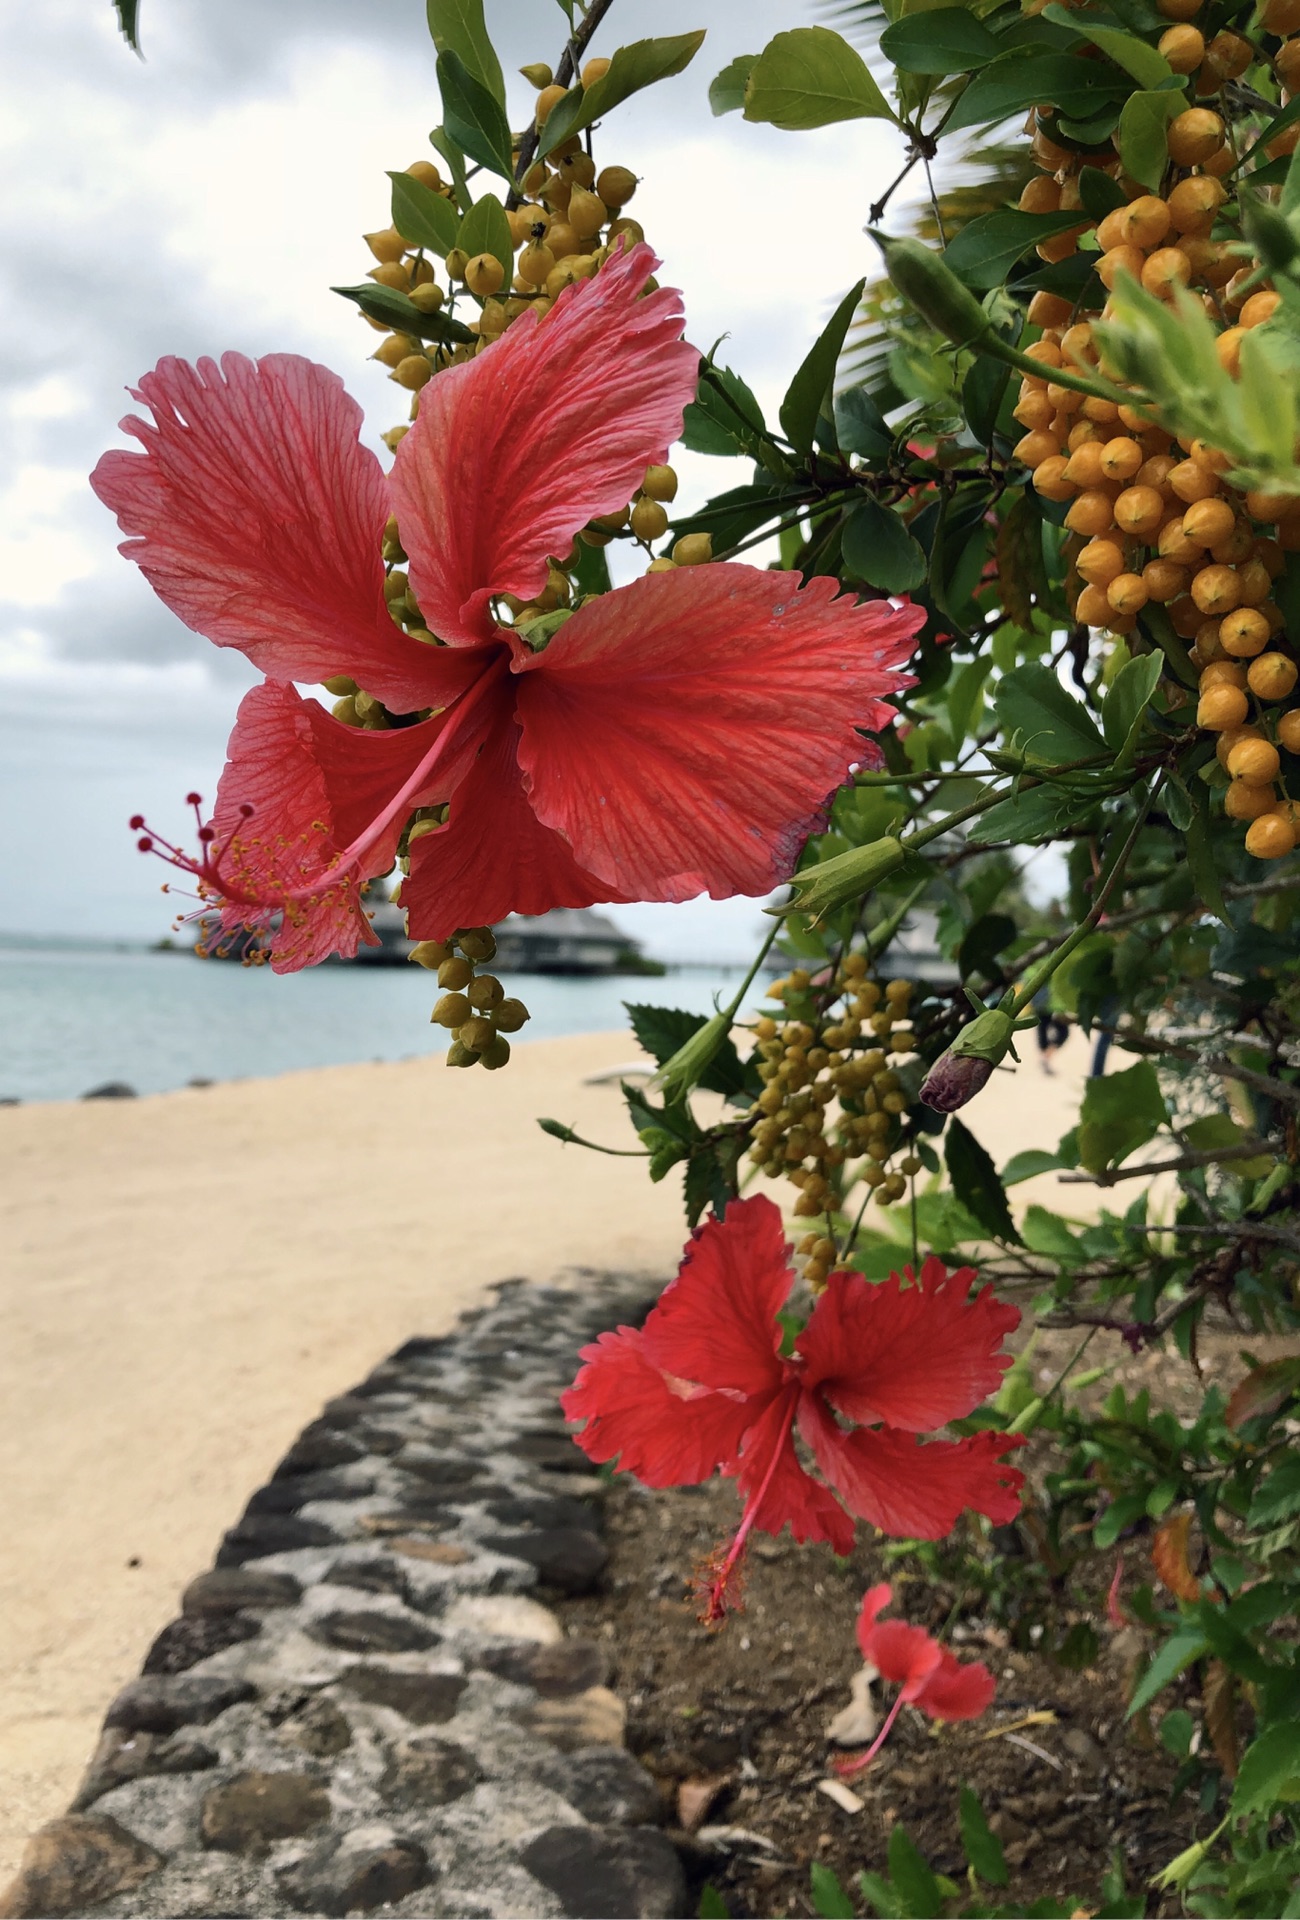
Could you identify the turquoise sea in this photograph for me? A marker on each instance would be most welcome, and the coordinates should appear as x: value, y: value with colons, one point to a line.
x: 72, y: 1018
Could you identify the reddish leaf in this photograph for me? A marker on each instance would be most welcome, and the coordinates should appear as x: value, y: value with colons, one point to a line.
x: 1169, y: 1557
x: 1219, y: 1697
x: 1263, y: 1390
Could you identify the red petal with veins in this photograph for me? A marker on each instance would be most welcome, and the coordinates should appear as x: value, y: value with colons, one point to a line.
x: 716, y: 1322
x: 665, y: 1439
x: 494, y: 856
x: 552, y: 425
x: 930, y: 1676
x: 957, y: 1689
x: 790, y: 1496
x: 716, y: 708
x: 911, y: 1489
x: 257, y: 516
x: 914, y: 1356
x: 315, y: 787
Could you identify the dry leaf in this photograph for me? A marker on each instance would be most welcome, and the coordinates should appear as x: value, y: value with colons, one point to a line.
x: 695, y: 1797
x: 1263, y: 1390
x: 844, y: 1797
x: 1169, y: 1557
x: 855, y: 1725
x: 1219, y: 1697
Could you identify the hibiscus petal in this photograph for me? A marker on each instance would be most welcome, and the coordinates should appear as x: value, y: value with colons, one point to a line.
x: 631, y: 1411
x: 906, y: 1655
x: 554, y: 424
x: 494, y: 856
x: 912, y: 1489
x: 913, y: 1356
x: 715, y: 709
x: 777, y: 1491
x: 716, y: 1322
x: 315, y: 788
x: 957, y: 1689
x: 257, y: 516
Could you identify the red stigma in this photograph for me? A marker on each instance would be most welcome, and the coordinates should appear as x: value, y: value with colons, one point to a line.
x: 194, y: 799
x: 136, y: 822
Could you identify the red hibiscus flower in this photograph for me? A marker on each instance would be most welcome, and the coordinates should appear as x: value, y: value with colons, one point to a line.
x: 704, y: 1386
x: 677, y: 736
x: 930, y: 1677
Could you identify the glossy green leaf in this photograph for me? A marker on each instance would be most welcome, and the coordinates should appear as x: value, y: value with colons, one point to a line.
x: 1142, y: 142
x: 727, y: 89
x: 940, y: 40
x: 1141, y: 61
x: 712, y: 1905
x: 397, y: 312
x: 860, y: 426
x: 1176, y: 1654
x: 1268, y: 1765
x: 1099, y: 193
x: 459, y: 26
x: 807, y: 393
x: 473, y: 117
x: 1120, y: 1113
x: 879, y: 549
x: 443, y: 144
x: 1015, y: 82
x: 975, y: 1182
x: 965, y: 703
x: 986, y: 249
x: 630, y: 71
x: 422, y: 216
x: 1026, y: 1165
x: 829, y: 1899
x: 724, y: 417
x: 1123, y: 711
x: 983, y: 1848
x: 1048, y: 725
x: 485, y: 229
x: 811, y: 77
x: 911, y: 1875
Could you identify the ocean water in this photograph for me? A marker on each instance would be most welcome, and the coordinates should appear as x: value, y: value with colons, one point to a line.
x: 71, y: 1019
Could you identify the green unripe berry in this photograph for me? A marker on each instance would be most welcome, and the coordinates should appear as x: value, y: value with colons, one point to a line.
x: 452, y: 1011
x: 455, y: 973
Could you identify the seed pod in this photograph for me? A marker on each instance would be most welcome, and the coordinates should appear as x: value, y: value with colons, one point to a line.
x: 538, y: 74
x: 496, y: 1053
x: 934, y: 290
x: 535, y: 264
x: 1193, y: 136
x: 660, y: 483
x: 484, y: 274
x: 430, y: 953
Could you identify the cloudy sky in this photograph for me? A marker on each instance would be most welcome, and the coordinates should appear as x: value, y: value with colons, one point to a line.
x: 206, y: 199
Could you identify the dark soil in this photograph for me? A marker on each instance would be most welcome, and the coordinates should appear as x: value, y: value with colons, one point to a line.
x: 747, y: 1707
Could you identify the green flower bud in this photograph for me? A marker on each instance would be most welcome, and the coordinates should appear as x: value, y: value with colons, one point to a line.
x: 692, y: 1060
x: 834, y: 883
x: 933, y: 289
x: 964, y: 1070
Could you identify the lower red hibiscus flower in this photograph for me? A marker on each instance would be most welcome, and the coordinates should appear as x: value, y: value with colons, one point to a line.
x: 929, y: 1676
x: 705, y: 1387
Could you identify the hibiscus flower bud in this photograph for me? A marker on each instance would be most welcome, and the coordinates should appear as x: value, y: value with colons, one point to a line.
x: 834, y: 883
x: 687, y: 1067
x: 960, y: 1073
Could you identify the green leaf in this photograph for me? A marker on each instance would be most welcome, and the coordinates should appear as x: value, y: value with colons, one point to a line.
x: 442, y: 143
x: 1277, y: 1497
x: 878, y: 548
x: 1047, y: 1233
x: 983, y: 1848
x: 806, y: 395
x: 422, y: 216
x: 940, y: 40
x: 1127, y: 699
x: 1046, y: 723
x: 1267, y: 1766
x: 986, y: 249
x: 1200, y: 856
x: 828, y: 1896
x: 1014, y: 82
x: 881, y: 1894
x: 1120, y: 1113
x: 727, y: 89
x: 1099, y: 193
x: 1141, y: 138
x: 860, y: 426
x: 724, y: 418
x: 663, y: 1030
x: 1025, y: 1165
x: 964, y: 697
x: 975, y: 1182
x: 630, y: 70
x: 1177, y: 1653
x: 1176, y: 1729
x: 712, y: 1905
x: 128, y: 20
x: 485, y: 229
x: 1042, y: 813
x: 458, y: 26
x: 921, y: 1894
x: 1143, y: 62
x: 811, y: 77
x: 397, y: 312
x: 474, y: 117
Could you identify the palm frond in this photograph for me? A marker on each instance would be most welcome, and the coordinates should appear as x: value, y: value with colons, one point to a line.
x: 128, y: 20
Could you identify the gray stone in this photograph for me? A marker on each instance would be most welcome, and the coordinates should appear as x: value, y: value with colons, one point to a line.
x: 163, y: 1702
x: 250, y: 1811
x: 366, y: 1632
x: 320, y: 1446
x: 609, y: 1873
x: 439, y: 1469
x: 545, y: 1510
x: 429, y: 1699
x: 72, y: 1864
x: 228, y: 1589
x: 341, y: 1877
x: 260, y: 1534
x: 184, y: 1642
x: 112, y: 1090
x: 375, y: 1575
x: 568, y: 1558
x: 607, y: 1786
x: 553, y: 1450
x: 428, y: 1772
x: 286, y: 1496
x: 122, y: 1756
x: 569, y: 1667
x: 318, y: 1727
x: 596, y: 1718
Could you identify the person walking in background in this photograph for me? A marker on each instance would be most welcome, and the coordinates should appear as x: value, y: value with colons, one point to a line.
x: 1053, y: 1029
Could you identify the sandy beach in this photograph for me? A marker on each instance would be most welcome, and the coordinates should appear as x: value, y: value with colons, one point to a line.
x: 188, y: 1277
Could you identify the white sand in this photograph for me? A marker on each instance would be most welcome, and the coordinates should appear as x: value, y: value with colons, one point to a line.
x: 188, y: 1277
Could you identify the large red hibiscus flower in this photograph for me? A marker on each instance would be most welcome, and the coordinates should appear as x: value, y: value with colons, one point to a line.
x: 704, y: 1386
x: 677, y: 736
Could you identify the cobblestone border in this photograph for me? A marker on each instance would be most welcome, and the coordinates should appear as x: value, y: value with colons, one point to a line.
x: 361, y: 1707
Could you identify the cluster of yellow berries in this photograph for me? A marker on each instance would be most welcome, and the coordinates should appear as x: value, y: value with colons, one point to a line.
x: 839, y: 1057
x: 1151, y: 519
x: 474, y: 1006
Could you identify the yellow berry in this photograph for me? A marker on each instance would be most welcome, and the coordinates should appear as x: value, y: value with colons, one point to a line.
x: 1270, y: 837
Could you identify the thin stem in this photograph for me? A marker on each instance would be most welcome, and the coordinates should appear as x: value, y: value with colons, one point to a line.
x: 564, y: 72
x: 1282, y: 1090
x: 1194, y: 1157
